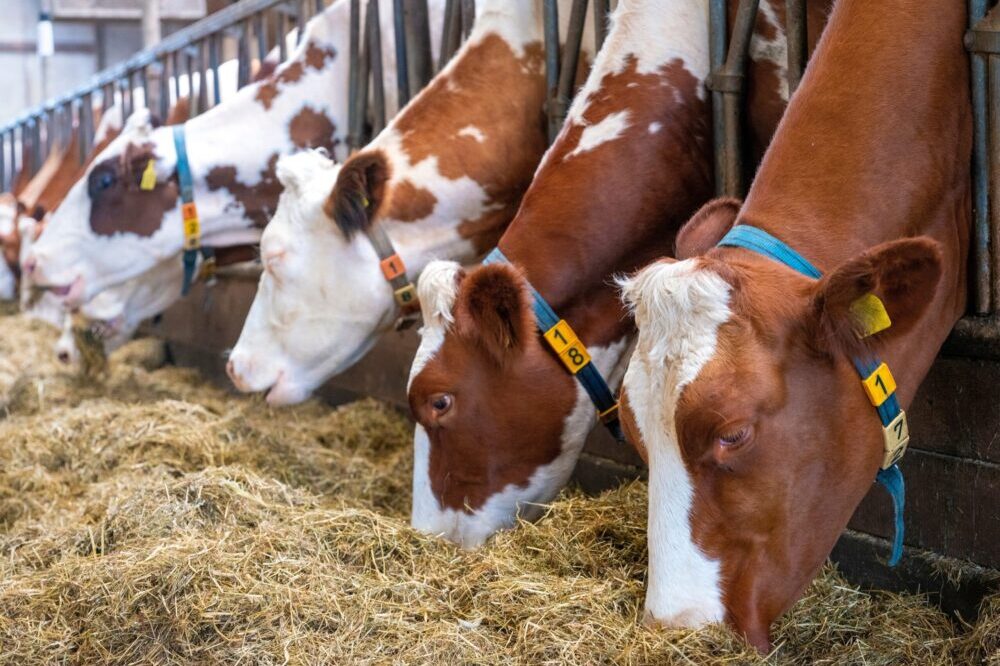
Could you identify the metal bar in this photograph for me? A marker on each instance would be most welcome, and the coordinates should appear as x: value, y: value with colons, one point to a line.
x: 798, y: 49
x: 175, y: 72
x: 200, y: 55
x: 993, y: 232
x: 281, y: 29
x: 374, y: 46
x: 450, y: 34
x: 13, y: 154
x: 717, y: 56
x: 36, y: 145
x: 601, y: 10
x: 551, y: 27
x: 164, y: 101
x: 468, y: 17
x: 144, y: 84
x: 729, y: 81
x: 354, y: 76
x: 570, y: 61
x: 261, y: 37
x: 213, y: 63
x: 402, y: 55
x: 243, y: 55
x: 85, y: 126
x: 192, y: 95
x: 419, y: 61
x: 300, y: 22
x: 981, y: 292
x: 3, y: 164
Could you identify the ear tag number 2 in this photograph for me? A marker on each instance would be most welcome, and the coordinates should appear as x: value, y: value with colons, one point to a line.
x: 564, y: 342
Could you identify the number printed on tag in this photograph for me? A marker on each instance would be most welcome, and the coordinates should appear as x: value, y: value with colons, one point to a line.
x: 575, y: 357
x: 560, y: 336
x: 879, y: 385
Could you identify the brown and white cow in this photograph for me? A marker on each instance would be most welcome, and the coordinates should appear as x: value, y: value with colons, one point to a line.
x: 500, y: 421
x: 443, y: 180
x: 760, y: 439
x: 108, y: 230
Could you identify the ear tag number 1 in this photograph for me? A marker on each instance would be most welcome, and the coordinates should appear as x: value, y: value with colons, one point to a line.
x: 148, y: 182
x: 564, y: 342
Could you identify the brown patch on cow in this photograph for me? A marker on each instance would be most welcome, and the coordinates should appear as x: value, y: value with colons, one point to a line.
x: 257, y: 201
x: 512, y: 123
x: 409, y: 202
x: 122, y: 207
x: 315, y: 58
x: 180, y: 112
x: 312, y: 129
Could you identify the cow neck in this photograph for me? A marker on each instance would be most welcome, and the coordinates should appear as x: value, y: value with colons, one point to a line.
x: 590, y: 215
x: 233, y: 148
x: 852, y: 167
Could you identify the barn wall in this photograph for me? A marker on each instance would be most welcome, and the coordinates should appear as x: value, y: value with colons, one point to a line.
x: 952, y: 469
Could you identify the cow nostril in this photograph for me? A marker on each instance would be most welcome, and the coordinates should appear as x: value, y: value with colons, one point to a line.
x: 231, y: 369
x: 30, y: 264
x: 64, y: 357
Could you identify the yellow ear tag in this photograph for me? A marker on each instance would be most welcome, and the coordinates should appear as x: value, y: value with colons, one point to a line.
x: 148, y: 182
x: 870, y: 312
x: 364, y: 202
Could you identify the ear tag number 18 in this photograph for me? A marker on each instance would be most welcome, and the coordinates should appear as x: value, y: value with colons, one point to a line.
x: 564, y: 342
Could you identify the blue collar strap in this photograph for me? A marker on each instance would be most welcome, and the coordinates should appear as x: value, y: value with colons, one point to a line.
x: 573, y: 354
x: 189, y: 217
x: 877, y: 380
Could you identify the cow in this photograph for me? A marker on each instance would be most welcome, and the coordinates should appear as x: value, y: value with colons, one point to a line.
x: 745, y: 387
x: 500, y: 422
x: 442, y: 180
x: 109, y: 229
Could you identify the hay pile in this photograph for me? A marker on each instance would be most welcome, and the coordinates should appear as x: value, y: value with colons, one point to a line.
x: 158, y: 520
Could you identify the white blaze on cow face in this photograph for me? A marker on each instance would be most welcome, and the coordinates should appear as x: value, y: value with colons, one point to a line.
x: 678, y: 307
x: 321, y: 300
x: 231, y: 149
x: 437, y: 291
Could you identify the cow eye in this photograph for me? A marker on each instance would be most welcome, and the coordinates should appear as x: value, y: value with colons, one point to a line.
x: 441, y: 403
x: 735, y: 438
x: 100, y: 181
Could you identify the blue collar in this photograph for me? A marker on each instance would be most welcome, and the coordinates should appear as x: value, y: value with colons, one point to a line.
x: 874, y: 374
x: 572, y: 353
x: 189, y: 218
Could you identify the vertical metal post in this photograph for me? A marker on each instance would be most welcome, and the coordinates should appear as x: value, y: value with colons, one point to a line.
x: 200, y: 55
x: 570, y: 61
x: 717, y: 55
x: 374, y: 48
x: 419, y: 61
x: 450, y: 33
x: 798, y: 49
x: 728, y: 80
x: 213, y: 64
x: 468, y: 17
x: 36, y: 144
x: 402, y: 54
x: 243, y: 55
x: 354, y: 77
x: 281, y: 29
x: 164, y: 101
x: 175, y: 73
x: 551, y: 29
x: 261, y: 36
x: 980, y: 173
x: 601, y: 10
x: 189, y: 70
x: 3, y: 163
x: 300, y: 21
x: 147, y: 99
x: 85, y: 126
x: 13, y: 155
x: 993, y: 233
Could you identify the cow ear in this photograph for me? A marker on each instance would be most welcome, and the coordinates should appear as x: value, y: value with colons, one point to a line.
x: 494, y: 308
x: 901, y: 274
x: 707, y: 227
x: 359, y: 192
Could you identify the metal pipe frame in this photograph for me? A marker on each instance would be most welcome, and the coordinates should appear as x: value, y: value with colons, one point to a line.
x: 551, y: 32
x: 981, y: 290
x: 354, y: 77
x: 402, y: 53
x: 567, y: 69
x: 419, y: 61
x: 450, y: 34
x: 798, y: 47
x: 374, y: 48
x: 468, y: 17
x: 717, y: 34
x: 602, y: 8
x: 729, y: 81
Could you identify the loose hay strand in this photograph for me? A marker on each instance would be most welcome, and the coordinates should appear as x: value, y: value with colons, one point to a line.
x: 152, y: 519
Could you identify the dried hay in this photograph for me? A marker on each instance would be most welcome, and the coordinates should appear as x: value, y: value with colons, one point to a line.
x: 157, y: 520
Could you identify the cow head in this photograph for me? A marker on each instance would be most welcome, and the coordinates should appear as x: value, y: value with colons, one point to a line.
x: 10, y: 245
x: 322, y: 299
x: 109, y: 228
x: 500, y: 423
x: 760, y: 439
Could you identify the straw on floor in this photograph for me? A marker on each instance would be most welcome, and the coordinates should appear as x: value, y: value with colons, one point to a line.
x: 151, y: 518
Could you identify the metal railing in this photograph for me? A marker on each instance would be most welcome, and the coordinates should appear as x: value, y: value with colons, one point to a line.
x: 977, y: 334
